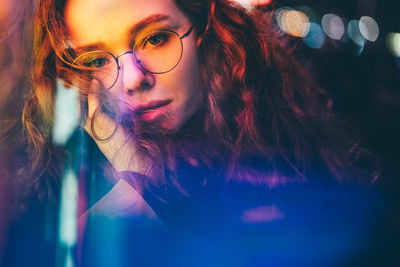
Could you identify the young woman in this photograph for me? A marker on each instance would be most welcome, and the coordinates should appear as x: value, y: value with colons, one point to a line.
x: 198, y: 108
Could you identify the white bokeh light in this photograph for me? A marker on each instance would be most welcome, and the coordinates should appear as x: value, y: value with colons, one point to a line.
x: 66, y: 113
x: 245, y: 3
x: 369, y: 28
x: 333, y: 26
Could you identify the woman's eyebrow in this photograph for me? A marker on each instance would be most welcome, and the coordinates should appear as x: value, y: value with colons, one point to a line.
x: 87, y: 48
x: 147, y: 21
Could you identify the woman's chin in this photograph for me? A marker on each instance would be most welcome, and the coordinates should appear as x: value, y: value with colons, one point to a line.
x: 160, y: 125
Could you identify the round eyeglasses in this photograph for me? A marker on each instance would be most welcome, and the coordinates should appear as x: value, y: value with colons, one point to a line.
x: 158, y: 52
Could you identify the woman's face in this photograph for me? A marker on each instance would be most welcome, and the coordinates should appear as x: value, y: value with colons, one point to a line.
x: 115, y: 26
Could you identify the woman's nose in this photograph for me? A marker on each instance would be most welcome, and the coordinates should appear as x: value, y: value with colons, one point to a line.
x: 134, y: 78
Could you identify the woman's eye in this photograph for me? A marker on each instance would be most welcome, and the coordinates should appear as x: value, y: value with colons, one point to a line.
x: 155, y: 40
x: 97, y: 63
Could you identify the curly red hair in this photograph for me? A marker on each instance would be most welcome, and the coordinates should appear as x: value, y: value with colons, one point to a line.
x: 264, y: 118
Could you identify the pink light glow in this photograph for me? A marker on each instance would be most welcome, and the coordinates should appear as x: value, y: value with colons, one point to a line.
x: 260, y: 2
x: 262, y: 214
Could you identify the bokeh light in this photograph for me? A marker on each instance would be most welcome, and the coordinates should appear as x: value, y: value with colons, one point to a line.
x: 293, y: 22
x: 316, y: 37
x: 261, y: 2
x: 68, y: 231
x: 310, y: 13
x: 393, y: 43
x: 369, y: 28
x: 68, y: 209
x: 355, y: 33
x: 66, y: 114
x: 333, y: 26
x: 249, y: 4
x: 279, y: 13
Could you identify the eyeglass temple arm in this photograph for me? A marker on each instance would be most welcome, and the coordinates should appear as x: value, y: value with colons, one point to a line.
x: 187, y: 33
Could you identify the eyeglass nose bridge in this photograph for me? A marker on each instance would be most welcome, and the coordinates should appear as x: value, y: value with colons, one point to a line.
x: 137, y: 61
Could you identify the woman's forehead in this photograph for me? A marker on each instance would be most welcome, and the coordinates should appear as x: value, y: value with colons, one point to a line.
x: 107, y: 21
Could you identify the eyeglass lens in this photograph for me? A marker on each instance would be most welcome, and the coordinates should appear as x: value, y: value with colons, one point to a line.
x: 158, y: 52
x: 98, y: 65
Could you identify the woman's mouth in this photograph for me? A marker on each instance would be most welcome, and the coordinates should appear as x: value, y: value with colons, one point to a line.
x: 152, y: 110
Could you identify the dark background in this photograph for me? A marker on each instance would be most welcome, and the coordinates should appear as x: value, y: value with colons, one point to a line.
x: 366, y: 90
x: 365, y: 87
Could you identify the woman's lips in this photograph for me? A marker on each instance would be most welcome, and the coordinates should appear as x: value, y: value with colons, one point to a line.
x: 152, y: 110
